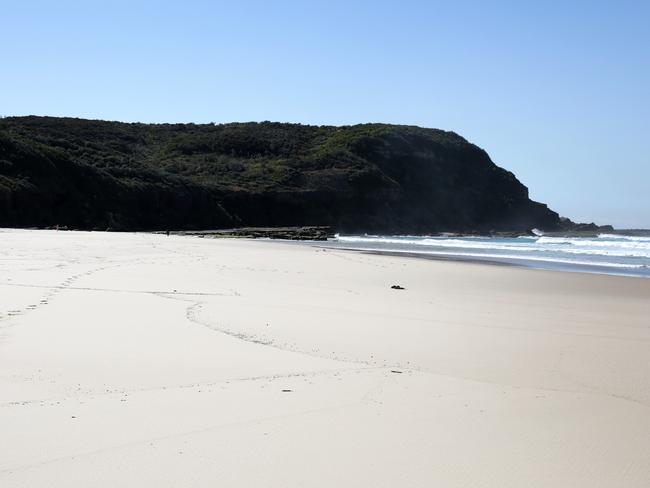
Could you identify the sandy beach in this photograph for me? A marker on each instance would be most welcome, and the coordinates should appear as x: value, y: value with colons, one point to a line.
x: 142, y: 360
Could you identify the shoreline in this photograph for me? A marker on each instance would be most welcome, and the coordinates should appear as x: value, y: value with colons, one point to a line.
x: 553, y: 266
x: 520, y: 254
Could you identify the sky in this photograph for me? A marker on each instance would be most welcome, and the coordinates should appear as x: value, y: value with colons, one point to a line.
x: 556, y: 92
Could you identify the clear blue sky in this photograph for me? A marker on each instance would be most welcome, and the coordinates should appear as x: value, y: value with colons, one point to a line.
x: 557, y: 92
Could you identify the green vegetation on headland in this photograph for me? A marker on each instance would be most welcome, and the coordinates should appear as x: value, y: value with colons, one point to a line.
x: 89, y: 174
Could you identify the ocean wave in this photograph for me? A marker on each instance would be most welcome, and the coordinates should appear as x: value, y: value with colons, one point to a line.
x: 607, y: 251
x: 625, y: 237
x: 543, y: 245
x: 595, y: 243
x: 433, y: 241
x: 514, y: 257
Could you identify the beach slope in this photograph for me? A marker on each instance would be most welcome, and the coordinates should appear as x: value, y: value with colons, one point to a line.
x: 138, y: 360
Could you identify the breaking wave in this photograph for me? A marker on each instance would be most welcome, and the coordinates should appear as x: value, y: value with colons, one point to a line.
x: 603, y: 251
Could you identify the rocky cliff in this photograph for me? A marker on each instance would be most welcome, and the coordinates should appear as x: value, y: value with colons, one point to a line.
x: 364, y: 178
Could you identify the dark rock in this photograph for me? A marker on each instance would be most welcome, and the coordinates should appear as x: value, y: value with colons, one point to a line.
x: 568, y: 226
x: 288, y: 233
x: 397, y: 287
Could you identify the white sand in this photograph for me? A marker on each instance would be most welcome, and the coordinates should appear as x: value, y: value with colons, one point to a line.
x: 134, y: 360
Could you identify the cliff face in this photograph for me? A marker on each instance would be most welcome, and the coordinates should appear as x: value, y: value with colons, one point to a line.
x: 364, y: 178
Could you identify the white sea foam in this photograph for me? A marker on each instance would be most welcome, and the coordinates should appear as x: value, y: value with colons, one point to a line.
x: 625, y: 238
x: 541, y: 244
x: 606, y: 250
x: 596, y: 242
x: 513, y: 257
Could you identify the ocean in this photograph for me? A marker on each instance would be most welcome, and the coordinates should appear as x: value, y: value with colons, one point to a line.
x: 615, y: 254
